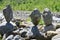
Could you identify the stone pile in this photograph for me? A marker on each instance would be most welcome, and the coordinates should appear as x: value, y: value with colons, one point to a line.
x: 15, y: 31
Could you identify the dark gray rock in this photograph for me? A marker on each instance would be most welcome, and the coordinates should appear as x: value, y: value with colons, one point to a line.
x: 7, y: 27
x: 35, y: 16
x: 48, y: 28
x: 47, y: 16
x: 8, y: 14
x: 37, y: 34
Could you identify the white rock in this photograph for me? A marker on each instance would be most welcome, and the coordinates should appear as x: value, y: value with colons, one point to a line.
x: 9, y: 37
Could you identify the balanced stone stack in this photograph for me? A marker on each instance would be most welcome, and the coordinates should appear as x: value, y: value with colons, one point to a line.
x: 47, y: 17
x: 26, y: 32
x: 7, y: 26
x: 35, y: 17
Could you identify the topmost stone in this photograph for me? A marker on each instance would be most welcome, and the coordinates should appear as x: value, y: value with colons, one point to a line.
x: 8, y: 14
x: 35, y: 16
x: 47, y: 16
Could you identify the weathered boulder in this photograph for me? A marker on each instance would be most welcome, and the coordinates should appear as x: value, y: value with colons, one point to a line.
x: 7, y: 26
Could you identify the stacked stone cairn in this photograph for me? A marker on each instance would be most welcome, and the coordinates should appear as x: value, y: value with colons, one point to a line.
x: 7, y: 27
x: 29, y: 32
x: 9, y: 31
x: 47, y: 17
x: 35, y: 18
x: 50, y: 30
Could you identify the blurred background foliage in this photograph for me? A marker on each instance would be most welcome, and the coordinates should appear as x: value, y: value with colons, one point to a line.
x: 53, y: 5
